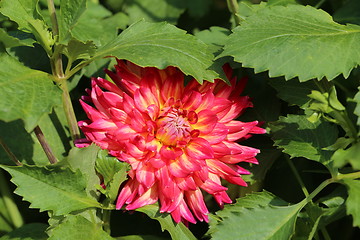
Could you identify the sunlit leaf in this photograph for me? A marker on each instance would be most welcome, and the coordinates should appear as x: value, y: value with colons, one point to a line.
x: 352, y: 203
x: 295, y: 41
x: 59, y: 190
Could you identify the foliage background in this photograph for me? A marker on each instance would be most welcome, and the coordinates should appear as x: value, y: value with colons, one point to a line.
x: 303, y: 79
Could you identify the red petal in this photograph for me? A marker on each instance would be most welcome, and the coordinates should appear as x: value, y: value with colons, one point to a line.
x: 199, y: 148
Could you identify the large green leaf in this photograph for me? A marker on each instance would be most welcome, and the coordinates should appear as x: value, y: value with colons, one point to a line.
x: 161, y: 45
x: 302, y: 138
x: 154, y: 10
x: 178, y: 231
x: 352, y: 202
x: 25, y: 13
x: 295, y: 41
x: 350, y: 155
x: 78, y: 227
x: 32, y: 231
x: 237, y: 221
x: 59, y: 190
x: 25, y: 93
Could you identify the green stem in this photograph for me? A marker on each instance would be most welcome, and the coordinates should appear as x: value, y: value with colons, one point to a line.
x: 317, y: 190
x: 60, y: 78
x: 353, y: 175
x: 321, y: 2
x: 10, y: 153
x: 234, y: 8
x: 69, y: 112
x: 297, y: 176
x: 53, y: 18
x: 44, y: 144
x: 10, y: 206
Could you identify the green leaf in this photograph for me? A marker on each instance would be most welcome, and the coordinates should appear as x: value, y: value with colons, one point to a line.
x: 293, y: 91
x: 83, y: 159
x: 114, y: 173
x: 54, y: 127
x: 11, y: 41
x: 26, y: 94
x: 97, y: 24
x: 25, y: 13
x: 154, y: 10
x: 302, y: 138
x: 32, y: 231
x: 161, y: 45
x: 352, y: 202
x: 70, y: 12
x: 79, y: 50
x: 77, y: 227
x: 59, y: 190
x: 349, y: 155
x: 215, y: 37
x: 178, y: 231
x: 357, y: 108
x: 295, y: 41
x: 237, y: 221
x: 140, y: 237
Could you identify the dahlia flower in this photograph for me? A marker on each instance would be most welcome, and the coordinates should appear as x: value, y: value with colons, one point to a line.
x: 179, y: 140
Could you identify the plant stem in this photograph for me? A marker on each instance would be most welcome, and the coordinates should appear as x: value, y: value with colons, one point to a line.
x: 318, y: 190
x: 321, y: 2
x: 69, y: 112
x: 60, y: 78
x: 234, y: 8
x: 297, y: 176
x: 53, y: 18
x: 10, y: 206
x: 10, y: 153
x: 44, y: 144
x: 353, y: 175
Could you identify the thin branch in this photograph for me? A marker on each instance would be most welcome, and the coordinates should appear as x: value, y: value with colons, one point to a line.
x: 10, y: 153
x: 44, y: 144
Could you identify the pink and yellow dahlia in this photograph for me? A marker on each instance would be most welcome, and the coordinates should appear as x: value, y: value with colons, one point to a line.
x: 179, y: 140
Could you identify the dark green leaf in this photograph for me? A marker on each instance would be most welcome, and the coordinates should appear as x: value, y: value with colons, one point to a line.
x: 77, y: 227
x: 26, y: 94
x: 11, y: 41
x: 178, y: 231
x: 140, y: 237
x: 61, y: 191
x: 32, y: 231
x: 302, y: 138
x: 352, y: 202
x: 348, y: 13
x: 293, y: 91
x: 154, y: 10
x: 295, y: 41
x: 161, y: 45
